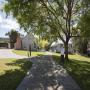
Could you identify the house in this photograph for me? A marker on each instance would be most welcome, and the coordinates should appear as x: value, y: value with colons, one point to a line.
x: 55, y: 46
x: 26, y: 42
x: 18, y: 44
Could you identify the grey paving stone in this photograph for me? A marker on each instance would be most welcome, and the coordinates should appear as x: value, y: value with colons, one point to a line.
x: 45, y: 74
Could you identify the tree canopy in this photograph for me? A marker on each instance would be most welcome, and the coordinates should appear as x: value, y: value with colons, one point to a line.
x: 51, y: 19
x: 13, y: 37
x: 82, y: 42
x: 84, y: 24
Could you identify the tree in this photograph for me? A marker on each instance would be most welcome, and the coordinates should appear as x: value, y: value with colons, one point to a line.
x: 13, y: 37
x: 84, y: 24
x: 80, y: 45
x: 43, y: 43
x: 84, y: 27
x: 50, y: 18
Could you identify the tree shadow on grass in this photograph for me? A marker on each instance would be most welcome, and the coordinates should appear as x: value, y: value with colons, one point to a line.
x: 22, y: 63
x: 79, y: 70
x: 12, y: 78
x: 40, y: 55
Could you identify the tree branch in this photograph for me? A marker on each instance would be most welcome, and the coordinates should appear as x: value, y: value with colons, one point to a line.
x: 54, y: 13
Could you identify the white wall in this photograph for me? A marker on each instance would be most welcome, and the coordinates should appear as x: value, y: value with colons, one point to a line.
x: 27, y: 41
x: 57, y: 48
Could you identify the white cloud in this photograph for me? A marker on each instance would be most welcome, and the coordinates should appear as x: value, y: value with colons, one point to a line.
x: 8, y: 23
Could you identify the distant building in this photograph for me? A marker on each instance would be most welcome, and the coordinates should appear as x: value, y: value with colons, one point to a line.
x: 4, y: 42
x: 25, y: 42
x: 55, y: 46
x: 18, y: 44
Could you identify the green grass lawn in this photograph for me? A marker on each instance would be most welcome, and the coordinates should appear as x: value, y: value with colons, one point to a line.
x: 22, y: 52
x: 25, y: 53
x: 12, y: 71
x: 79, y: 68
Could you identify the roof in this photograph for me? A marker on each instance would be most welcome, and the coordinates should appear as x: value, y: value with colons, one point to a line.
x: 28, y: 35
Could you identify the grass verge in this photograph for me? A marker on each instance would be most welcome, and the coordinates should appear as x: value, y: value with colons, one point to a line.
x: 25, y: 53
x: 33, y: 53
x: 12, y: 71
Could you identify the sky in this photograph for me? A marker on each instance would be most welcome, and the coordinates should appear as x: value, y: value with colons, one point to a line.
x: 6, y: 24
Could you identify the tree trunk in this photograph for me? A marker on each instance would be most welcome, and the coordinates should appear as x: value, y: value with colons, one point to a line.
x: 66, y: 51
x: 85, y: 43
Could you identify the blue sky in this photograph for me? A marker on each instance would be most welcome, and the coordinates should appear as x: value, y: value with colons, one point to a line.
x: 6, y: 24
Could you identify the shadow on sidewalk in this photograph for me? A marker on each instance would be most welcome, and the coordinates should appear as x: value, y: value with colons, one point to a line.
x: 45, y: 74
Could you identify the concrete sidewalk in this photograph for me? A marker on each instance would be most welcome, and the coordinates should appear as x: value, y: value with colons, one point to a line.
x: 45, y: 74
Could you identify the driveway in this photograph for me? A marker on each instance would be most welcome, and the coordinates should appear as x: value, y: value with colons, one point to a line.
x: 7, y: 53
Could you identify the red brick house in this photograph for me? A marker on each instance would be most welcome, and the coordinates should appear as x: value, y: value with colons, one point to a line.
x: 18, y: 44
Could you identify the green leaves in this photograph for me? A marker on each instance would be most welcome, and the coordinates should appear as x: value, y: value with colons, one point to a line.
x: 84, y: 24
x: 24, y: 11
x: 45, y: 17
